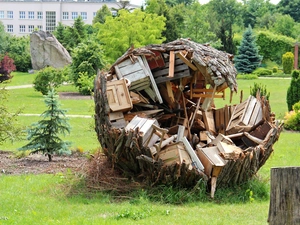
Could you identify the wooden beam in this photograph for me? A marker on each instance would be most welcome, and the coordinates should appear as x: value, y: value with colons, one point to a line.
x: 186, y: 61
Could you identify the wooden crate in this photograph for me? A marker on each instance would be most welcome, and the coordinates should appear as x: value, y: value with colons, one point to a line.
x: 118, y: 96
x: 144, y: 125
x: 245, y: 115
x: 211, y: 160
x: 175, y: 153
x: 139, y: 74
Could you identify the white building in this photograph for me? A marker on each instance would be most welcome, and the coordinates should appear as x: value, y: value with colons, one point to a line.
x: 21, y: 17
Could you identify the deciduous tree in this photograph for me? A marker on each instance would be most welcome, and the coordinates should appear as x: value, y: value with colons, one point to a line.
x: 137, y: 28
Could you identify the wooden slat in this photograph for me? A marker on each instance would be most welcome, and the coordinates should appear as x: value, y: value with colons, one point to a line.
x: 171, y: 64
x: 178, y: 75
x: 222, y: 121
x: 153, y: 83
x: 165, y: 72
x: 249, y: 111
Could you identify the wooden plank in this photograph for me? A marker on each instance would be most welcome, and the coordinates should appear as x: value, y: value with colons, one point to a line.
x: 209, y: 121
x: 178, y: 75
x: 165, y: 72
x: 255, y: 113
x: 259, y: 116
x: 249, y: 110
x: 171, y: 64
x: 193, y: 155
x: 115, y: 116
x: 151, y: 93
x: 217, y: 120
x: 186, y: 61
x: 153, y: 83
x: 170, y: 91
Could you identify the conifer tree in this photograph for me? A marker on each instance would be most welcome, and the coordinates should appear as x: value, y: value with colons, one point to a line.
x: 44, y: 135
x: 248, y: 58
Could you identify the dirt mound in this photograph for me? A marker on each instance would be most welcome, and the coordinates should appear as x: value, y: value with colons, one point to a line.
x: 38, y: 164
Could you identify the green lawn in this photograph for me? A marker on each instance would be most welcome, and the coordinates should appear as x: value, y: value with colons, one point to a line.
x: 58, y: 199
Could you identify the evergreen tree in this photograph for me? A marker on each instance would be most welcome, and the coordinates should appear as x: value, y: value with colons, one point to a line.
x: 248, y: 58
x: 44, y: 135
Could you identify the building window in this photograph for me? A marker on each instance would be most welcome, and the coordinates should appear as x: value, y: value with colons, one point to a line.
x: 65, y: 15
x: 30, y: 28
x: 10, y: 28
x: 50, y: 21
x: 39, y: 27
x: 22, y: 28
x: 10, y: 14
x: 39, y: 15
x: 22, y: 14
x: 30, y: 15
x: 1, y: 14
x: 83, y: 15
x: 74, y: 15
x: 94, y: 14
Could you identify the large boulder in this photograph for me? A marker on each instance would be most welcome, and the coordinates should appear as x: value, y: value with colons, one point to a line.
x: 46, y: 50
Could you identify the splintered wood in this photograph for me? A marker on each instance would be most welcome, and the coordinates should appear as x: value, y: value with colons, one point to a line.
x: 156, y: 120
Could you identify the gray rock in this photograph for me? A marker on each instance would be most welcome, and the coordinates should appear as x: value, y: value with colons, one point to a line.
x: 46, y: 50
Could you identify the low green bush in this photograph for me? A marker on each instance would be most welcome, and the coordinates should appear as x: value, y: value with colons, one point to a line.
x: 275, y: 69
x: 262, y: 72
x: 48, y: 78
x: 85, y: 83
x: 262, y: 90
x: 247, y: 77
x: 292, y: 118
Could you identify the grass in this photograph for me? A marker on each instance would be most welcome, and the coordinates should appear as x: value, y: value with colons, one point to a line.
x: 63, y: 199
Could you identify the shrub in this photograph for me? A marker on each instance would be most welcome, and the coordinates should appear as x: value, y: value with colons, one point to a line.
x: 262, y: 72
x: 247, y: 77
x: 293, y: 92
x: 6, y: 67
x: 288, y: 62
x: 85, y: 84
x: 275, y: 69
x: 292, y: 118
x: 262, y: 90
x: 48, y: 78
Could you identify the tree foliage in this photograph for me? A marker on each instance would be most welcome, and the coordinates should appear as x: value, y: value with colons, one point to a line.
x: 49, y: 78
x: 197, y: 26
x: 173, y: 17
x: 255, y: 9
x: 4, y: 39
x: 102, y: 14
x: 137, y: 28
x: 284, y: 25
x: 9, y: 127
x: 290, y: 7
x: 19, y: 51
x: 288, y: 62
x: 248, y: 58
x: 87, y: 58
x: 227, y: 13
x: 44, y: 136
x: 273, y: 46
x: 293, y: 92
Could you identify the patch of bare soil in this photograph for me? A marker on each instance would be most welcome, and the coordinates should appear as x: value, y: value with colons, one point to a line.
x: 38, y: 164
x: 73, y: 95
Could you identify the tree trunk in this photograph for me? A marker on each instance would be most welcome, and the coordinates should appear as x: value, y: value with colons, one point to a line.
x: 285, y: 196
x: 49, y: 157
